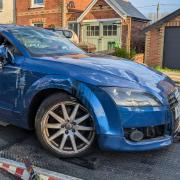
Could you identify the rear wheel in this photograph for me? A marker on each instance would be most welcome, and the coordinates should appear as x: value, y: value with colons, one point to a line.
x: 64, y: 126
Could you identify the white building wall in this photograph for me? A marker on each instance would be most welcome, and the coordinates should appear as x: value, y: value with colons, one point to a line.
x: 7, y: 13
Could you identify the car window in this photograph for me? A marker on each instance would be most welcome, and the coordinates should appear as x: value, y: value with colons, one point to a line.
x: 41, y: 42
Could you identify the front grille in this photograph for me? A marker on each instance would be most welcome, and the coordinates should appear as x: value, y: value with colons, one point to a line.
x: 173, y: 98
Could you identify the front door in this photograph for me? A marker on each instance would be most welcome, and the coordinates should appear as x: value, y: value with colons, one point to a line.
x: 104, y: 35
x: 10, y: 91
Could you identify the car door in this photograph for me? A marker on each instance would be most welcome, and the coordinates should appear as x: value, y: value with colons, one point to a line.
x: 11, y: 84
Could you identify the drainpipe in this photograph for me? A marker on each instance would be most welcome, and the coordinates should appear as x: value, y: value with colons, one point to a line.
x: 14, y: 12
x: 64, y: 14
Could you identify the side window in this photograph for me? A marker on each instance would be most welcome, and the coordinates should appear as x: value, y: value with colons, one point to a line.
x: 10, y: 46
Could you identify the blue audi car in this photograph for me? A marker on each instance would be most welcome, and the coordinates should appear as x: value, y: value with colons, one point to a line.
x: 73, y: 99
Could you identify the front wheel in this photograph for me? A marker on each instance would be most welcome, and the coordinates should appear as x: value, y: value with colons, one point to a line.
x: 64, y: 126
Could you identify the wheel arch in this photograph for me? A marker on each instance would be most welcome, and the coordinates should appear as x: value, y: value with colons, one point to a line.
x: 39, y: 91
x: 80, y: 91
x: 37, y: 101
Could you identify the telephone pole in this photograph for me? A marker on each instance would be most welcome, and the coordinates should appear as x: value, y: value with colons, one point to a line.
x: 158, y: 10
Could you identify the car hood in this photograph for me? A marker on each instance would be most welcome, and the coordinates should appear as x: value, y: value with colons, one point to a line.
x: 110, y: 71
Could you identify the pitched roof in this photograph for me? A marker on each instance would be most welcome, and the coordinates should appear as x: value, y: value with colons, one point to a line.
x: 163, y: 20
x: 128, y: 9
x: 123, y: 7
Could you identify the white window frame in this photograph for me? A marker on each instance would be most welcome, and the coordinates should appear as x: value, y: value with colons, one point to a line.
x: 36, y: 5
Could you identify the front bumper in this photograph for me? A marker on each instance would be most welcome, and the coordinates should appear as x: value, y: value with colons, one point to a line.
x: 111, y: 122
x: 139, y: 118
x: 117, y: 143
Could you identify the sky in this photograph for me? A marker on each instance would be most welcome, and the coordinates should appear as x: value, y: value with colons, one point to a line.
x: 166, y: 6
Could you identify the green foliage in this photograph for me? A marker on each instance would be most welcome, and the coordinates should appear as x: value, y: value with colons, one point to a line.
x: 158, y: 68
x: 121, y: 52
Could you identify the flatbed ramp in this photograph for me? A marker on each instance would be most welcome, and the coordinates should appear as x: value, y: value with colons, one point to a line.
x: 16, y: 145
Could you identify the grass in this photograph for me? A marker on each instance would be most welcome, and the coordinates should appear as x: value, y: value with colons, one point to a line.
x: 167, y: 69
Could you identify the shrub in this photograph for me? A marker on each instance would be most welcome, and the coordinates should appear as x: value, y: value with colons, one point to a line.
x: 121, y: 52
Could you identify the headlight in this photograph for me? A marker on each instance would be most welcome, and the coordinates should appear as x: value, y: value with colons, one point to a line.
x: 130, y: 97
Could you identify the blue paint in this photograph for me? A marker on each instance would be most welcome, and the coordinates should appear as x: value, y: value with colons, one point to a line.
x: 85, y: 76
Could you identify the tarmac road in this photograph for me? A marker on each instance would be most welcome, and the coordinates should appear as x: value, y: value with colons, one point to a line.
x: 18, y: 144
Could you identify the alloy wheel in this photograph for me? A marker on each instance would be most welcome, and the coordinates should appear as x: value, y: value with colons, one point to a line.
x: 68, y: 128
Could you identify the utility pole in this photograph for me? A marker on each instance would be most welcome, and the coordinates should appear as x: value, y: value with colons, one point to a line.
x: 158, y: 10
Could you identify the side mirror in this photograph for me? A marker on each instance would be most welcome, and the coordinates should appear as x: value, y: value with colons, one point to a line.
x: 68, y: 34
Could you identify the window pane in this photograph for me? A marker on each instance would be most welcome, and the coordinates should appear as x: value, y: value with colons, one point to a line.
x: 39, y: 25
x: 92, y: 30
x: 109, y: 33
x: 38, y: 1
x: 1, y: 4
x: 110, y: 28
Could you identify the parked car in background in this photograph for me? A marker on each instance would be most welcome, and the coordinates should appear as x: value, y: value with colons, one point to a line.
x: 67, y: 33
x: 70, y: 97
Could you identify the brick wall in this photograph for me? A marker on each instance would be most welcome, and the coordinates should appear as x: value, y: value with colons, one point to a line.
x: 101, y: 10
x: 50, y: 14
x: 152, y: 57
x: 75, y: 5
x: 155, y: 43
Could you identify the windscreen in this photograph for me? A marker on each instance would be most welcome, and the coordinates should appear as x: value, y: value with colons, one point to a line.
x: 41, y: 42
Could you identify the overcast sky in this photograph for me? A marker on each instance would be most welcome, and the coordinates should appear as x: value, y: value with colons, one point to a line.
x: 172, y: 5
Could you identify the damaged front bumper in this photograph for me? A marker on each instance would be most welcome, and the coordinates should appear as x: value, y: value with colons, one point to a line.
x: 156, y: 124
x: 114, y: 122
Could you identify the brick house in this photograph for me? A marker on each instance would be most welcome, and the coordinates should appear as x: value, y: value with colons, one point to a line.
x: 109, y: 22
x: 104, y: 23
x: 163, y: 42
x: 41, y: 13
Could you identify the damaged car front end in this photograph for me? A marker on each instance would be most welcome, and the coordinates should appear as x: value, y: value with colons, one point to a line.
x: 71, y: 97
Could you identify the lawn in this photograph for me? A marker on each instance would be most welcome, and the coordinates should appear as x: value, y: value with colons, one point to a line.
x: 167, y: 70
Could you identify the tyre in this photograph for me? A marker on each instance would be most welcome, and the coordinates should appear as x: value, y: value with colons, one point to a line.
x: 64, y: 126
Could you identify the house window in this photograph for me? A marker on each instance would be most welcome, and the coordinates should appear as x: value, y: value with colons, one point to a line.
x: 37, y: 3
x: 92, y: 30
x: 110, y: 30
x: 38, y: 24
x: 1, y: 5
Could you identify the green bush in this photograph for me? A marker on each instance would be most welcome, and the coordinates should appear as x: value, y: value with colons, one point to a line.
x: 121, y: 52
x: 158, y: 68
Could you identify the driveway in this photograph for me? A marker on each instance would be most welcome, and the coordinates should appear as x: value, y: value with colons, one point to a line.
x: 18, y: 144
